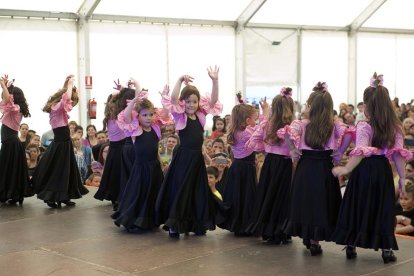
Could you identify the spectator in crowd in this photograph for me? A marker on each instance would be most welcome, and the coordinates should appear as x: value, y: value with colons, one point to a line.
x: 72, y: 125
x: 91, y: 139
x: 24, y: 134
x: 405, y: 210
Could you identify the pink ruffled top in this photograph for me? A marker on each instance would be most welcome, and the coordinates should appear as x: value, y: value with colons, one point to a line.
x: 240, y: 150
x: 58, y: 116
x: 11, y: 114
x: 133, y: 128
x: 178, y: 110
x: 297, y: 130
x: 257, y: 141
x: 115, y: 133
x: 364, y: 140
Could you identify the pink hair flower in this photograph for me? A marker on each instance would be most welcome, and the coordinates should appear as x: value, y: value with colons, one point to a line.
x: 376, y: 80
x: 325, y: 87
x: 286, y: 91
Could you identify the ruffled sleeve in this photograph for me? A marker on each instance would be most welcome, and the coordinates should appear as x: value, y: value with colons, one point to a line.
x: 398, y: 147
x: 339, y: 132
x: 256, y: 141
x: 162, y: 117
x: 10, y: 106
x: 167, y: 103
x: 295, y: 131
x: 157, y: 130
x: 281, y: 132
x: 132, y: 128
x: 363, y: 141
x: 65, y: 103
x: 206, y: 108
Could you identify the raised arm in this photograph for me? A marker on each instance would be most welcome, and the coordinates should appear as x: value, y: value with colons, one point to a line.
x: 138, y: 88
x: 177, y: 88
x: 5, y: 93
x: 213, y: 73
x: 69, y: 85
x: 129, y: 108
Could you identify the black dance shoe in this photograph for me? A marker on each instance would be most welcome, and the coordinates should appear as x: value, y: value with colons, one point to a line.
x: 68, y: 203
x: 307, y: 243
x: 285, y: 239
x: 315, y: 249
x: 273, y: 240
x: 350, y: 252
x: 388, y: 256
x: 173, y: 234
x: 51, y: 204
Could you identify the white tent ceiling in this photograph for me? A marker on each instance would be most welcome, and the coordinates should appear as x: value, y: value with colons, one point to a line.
x: 387, y: 14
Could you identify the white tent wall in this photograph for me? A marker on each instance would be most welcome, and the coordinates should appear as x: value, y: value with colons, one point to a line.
x: 388, y: 54
x: 269, y: 67
x: 39, y: 54
x: 157, y: 55
x: 325, y: 59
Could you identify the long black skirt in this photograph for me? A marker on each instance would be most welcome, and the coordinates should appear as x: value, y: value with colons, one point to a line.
x: 316, y: 197
x: 272, y: 202
x: 185, y: 202
x: 57, y: 177
x: 137, y: 204
x: 239, y: 195
x: 127, y: 162
x: 366, y: 218
x: 110, y: 181
x: 14, y: 176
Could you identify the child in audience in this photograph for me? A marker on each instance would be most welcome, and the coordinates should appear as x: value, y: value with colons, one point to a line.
x: 405, y: 210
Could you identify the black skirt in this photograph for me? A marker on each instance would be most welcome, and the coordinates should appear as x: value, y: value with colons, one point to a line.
x: 316, y: 197
x: 272, y: 202
x: 239, y: 195
x: 185, y: 202
x: 127, y: 161
x: 57, y: 177
x: 14, y: 177
x: 137, y: 204
x: 110, y: 181
x: 366, y: 218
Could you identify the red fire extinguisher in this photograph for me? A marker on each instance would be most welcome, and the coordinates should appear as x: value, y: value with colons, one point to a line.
x: 92, y: 109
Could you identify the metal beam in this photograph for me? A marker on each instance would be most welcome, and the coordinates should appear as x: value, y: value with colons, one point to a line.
x: 366, y: 14
x: 38, y: 14
x: 245, y: 17
x: 87, y: 8
x: 161, y: 20
x: 83, y: 70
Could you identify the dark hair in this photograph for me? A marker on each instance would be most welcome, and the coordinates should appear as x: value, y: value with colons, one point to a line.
x: 20, y: 100
x: 219, y: 119
x: 100, y: 157
x: 282, y: 114
x: 174, y: 136
x: 321, y: 120
x: 33, y: 146
x: 24, y: 125
x: 121, y: 102
x: 213, y: 171
x: 351, y: 105
x: 239, y: 115
x: 93, y: 126
x: 381, y: 116
x: 143, y: 104
x: 78, y: 127
x: 58, y: 96
x: 189, y: 90
x: 100, y: 132
x: 360, y: 103
x: 218, y: 140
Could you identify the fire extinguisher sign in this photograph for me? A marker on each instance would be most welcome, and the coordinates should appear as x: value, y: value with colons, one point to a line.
x: 88, y: 82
